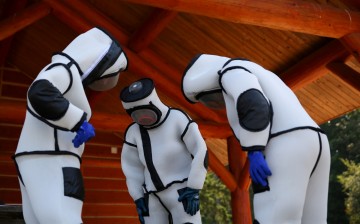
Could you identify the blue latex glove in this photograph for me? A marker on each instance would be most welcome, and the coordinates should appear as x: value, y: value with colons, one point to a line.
x: 259, y: 170
x: 85, y: 133
x: 141, y: 209
x: 190, y: 198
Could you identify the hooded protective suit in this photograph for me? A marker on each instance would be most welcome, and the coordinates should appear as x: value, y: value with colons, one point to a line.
x: 291, y: 184
x: 50, y: 147
x: 164, y: 158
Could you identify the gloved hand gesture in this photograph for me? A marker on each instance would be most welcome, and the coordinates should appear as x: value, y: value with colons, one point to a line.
x: 259, y: 169
x: 190, y: 199
x: 85, y: 133
x: 141, y: 209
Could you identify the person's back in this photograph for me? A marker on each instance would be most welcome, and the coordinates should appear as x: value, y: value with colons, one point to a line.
x: 288, y: 111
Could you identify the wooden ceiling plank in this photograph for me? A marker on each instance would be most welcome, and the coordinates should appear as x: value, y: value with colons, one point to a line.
x: 137, y: 64
x: 12, y: 7
x: 14, y: 113
x: 145, y: 35
x: 292, y: 15
x: 68, y: 16
x: 352, y: 44
x: 313, y: 66
x: 23, y: 19
x: 95, y: 17
x: 346, y: 73
x: 352, y: 3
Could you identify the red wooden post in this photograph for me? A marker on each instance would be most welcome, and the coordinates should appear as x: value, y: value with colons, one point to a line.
x: 240, y: 198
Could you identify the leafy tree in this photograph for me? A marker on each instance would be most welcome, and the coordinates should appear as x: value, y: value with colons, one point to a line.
x: 350, y: 180
x: 215, y: 199
x: 343, y: 135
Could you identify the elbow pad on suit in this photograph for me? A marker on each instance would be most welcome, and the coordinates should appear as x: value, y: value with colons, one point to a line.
x: 254, y: 111
x: 47, y: 100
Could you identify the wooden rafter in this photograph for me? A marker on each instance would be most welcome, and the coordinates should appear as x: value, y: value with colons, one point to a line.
x: 352, y: 44
x: 138, y: 65
x: 352, y: 3
x: 12, y: 7
x: 346, y: 73
x: 158, y: 20
x: 291, y: 15
x: 23, y: 19
x: 225, y: 176
x: 313, y: 66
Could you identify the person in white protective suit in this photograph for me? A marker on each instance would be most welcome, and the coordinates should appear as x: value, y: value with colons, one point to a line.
x: 289, y: 154
x: 50, y: 147
x: 164, y: 158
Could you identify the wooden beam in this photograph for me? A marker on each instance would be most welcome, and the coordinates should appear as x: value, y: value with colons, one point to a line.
x: 352, y: 44
x: 144, y: 35
x: 313, y: 66
x: 12, y: 7
x: 346, y: 73
x: 219, y: 169
x: 352, y: 3
x: 137, y: 65
x: 291, y: 15
x: 14, y: 113
x: 214, y: 130
x: 23, y: 19
x: 240, y: 198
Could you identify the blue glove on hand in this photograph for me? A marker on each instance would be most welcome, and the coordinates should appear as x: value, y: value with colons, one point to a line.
x: 141, y: 209
x: 259, y: 170
x: 85, y: 133
x: 190, y: 199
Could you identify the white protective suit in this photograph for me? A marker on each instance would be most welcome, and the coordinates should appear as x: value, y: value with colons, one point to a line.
x: 162, y: 156
x: 48, y: 162
x: 265, y: 115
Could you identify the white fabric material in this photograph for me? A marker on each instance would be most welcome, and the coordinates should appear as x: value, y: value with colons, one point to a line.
x: 39, y: 136
x: 171, y: 156
x: 235, y: 82
x: 154, y: 99
x: 41, y: 173
x: 294, y: 196
x: 205, y: 73
x: 88, y: 49
x: 169, y: 197
x: 46, y: 187
x: 288, y: 111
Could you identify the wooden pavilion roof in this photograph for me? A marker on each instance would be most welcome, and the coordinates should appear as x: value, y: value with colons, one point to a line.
x: 313, y: 45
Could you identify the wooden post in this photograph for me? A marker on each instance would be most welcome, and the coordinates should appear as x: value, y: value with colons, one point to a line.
x: 240, y: 198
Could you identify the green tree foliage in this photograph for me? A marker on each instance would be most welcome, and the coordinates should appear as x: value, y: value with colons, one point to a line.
x: 215, y: 200
x: 350, y: 180
x: 343, y: 135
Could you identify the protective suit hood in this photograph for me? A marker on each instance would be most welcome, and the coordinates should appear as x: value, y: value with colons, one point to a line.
x: 98, y: 57
x: 201, y: 75
x: 142, y: 103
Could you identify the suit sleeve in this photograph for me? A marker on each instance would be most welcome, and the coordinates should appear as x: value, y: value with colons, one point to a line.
x: 197, y: 147
x: 253, y: 109
x: 132, y: 167
x: 46, y: 100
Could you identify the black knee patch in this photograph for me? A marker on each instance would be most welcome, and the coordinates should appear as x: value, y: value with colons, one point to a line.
x: 258, y: 188
x: 73, y: 183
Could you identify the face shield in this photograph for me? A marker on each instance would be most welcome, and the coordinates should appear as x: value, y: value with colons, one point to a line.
x: 146, y: 115
x: 105, y: 83
x: 142, y: 103
x: 213, y: 99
